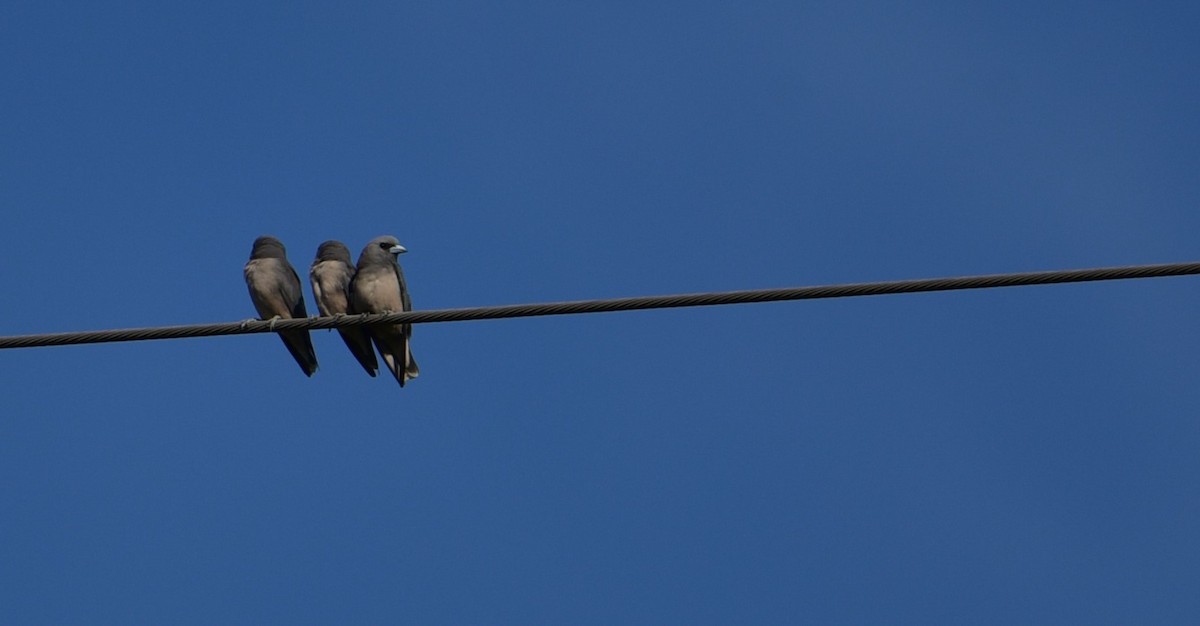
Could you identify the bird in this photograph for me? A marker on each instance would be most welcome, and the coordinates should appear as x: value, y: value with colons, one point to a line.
x: 330, y: 276
x: 276, y: 292
x: 378, y: 287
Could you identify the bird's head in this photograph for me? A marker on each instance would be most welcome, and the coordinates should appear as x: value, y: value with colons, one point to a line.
x: 390, y: 245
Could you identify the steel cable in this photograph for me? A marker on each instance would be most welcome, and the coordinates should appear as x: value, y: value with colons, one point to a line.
x: 607, y: 305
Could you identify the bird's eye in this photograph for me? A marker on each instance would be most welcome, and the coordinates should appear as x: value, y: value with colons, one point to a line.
x: 385, y: 245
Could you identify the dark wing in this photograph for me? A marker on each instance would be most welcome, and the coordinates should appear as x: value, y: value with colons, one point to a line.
x: 409, y: 364
x: 357, y: 338
x: 293, y: 293
x: 298, y: 342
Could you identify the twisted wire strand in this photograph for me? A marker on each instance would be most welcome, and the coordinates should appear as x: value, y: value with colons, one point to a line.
x: 607, y: 305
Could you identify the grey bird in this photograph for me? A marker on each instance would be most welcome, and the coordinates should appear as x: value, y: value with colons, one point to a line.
x: 277, y: 294
x: 330, y: 277
x: 378, y: 287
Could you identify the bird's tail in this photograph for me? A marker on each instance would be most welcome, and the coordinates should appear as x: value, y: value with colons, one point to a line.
x: 300, y: 345
x: 360, y: 346
x: 410, y: 366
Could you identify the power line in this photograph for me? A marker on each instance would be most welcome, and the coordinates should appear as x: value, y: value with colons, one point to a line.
x: 607, y: 305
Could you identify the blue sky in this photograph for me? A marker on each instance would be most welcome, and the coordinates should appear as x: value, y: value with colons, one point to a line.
x: 1008, y: 456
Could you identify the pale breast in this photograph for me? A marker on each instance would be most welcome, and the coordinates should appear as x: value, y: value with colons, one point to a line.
x: 376, y: 292
x: 263, y: 279
x: 329, y: 286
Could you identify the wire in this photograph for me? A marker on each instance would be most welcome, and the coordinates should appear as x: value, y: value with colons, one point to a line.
x: 600, y: 306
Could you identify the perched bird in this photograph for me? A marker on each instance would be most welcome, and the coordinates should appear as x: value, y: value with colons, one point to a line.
x: 378, y: 287
x: 330, y: 276
x: 277, y: 294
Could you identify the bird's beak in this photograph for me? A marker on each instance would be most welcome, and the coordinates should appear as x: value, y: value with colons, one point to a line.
x: 397, y: 249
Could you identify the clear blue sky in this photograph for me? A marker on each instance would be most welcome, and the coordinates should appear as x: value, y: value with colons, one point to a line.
x: 1007, y: 456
